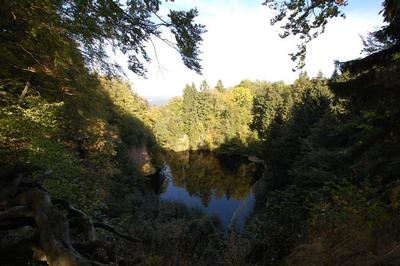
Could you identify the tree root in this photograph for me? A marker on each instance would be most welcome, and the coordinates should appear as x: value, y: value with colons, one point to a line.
x: 30, y: 205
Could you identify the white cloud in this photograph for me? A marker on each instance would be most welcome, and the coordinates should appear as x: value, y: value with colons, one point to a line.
x: 240, y: 44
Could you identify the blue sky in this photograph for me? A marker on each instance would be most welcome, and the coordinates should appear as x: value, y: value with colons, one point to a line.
x: 364, y: 6
x: 241, y: 44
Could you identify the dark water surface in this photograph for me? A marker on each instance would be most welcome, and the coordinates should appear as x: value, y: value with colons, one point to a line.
x: 219, y: 185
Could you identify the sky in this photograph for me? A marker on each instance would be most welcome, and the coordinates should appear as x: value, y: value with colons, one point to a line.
x: 241, y: 44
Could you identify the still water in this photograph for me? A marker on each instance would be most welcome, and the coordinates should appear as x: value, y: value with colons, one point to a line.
x: 218, y: 185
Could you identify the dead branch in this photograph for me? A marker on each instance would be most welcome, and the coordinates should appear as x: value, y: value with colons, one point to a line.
x: 113, y: 230
x: 85, y: 221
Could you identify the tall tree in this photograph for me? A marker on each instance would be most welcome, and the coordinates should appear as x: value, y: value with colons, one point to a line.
x: 204, y: 86
x: 204, y: 102
x: 47, y: 36
x: 190, y: 115
x: 220, y: 86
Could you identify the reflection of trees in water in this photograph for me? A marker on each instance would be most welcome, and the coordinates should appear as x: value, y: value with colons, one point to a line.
x: 204, y: 174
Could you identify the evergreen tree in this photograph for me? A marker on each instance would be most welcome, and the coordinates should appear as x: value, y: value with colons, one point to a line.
x: 220, y: 86
x: 204, y: 87
x: 190, y: 114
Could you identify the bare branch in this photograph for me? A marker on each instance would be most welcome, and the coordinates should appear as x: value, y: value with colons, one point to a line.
x: 113, y: 230
x: 85, y: 221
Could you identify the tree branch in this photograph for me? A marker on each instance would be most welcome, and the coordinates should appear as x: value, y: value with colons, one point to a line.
x: 85, y: 221
x: 113, y: 230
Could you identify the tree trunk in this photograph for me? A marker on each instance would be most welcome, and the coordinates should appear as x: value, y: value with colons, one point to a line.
x: 24, y: 92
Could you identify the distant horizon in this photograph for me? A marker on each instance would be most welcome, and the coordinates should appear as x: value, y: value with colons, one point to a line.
x: 250, y: 48
x: 168, y: 97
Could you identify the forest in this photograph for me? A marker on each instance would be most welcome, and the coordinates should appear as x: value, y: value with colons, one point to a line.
x: 79, y: 148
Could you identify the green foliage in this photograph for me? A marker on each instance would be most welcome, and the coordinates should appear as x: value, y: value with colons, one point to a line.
x: 305, y: 19
x: 175, y: 234
x: 271, y: 105
x: 75, y: 128
x: 43, y: 37
x: 388, y: 35
x: 308, y: 21
x: 75, y: 148
x: 331, y: 166
x: 350, y: 223
x: 187, y: 36
x: 207, y: 119
x: 330, y: 191
x: 169, y: 126
x: 220, y: 86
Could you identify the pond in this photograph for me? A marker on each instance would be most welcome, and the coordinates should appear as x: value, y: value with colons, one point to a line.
x: 218, y: 185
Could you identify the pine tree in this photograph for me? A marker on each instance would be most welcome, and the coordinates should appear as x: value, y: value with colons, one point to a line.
x: 190, y: 114
x: 220, y: 86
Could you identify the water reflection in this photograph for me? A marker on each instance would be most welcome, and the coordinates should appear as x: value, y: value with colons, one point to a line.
x: 219, y: 185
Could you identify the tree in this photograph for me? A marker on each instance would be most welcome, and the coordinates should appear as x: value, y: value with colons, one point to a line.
x: 46, y: 37
x: 190, y: 115
x: 390, y: 33
x: 169, y: 125
x: 265, y: 110
x: 220, y: 86
x: 52, y: 50
x: 304, y: 18
x: 204, y: 103
x: 308, y: 19
x: 204, y: 87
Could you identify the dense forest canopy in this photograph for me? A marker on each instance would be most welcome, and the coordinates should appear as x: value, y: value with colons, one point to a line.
x: 78, y: 148
x: 208, y: 118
